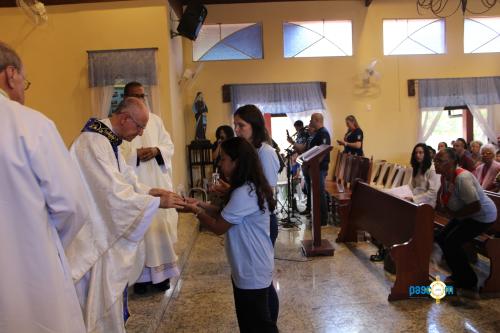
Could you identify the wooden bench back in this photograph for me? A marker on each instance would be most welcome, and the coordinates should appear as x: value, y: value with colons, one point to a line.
x: 349, y: 167
x: 495, y: 228
x: 408, y: 175
x: 375, y: 171
x: 387, y: 218
x: 398, y: 177
x: 336, y: 166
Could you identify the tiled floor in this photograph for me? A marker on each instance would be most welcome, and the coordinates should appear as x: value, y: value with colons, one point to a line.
x: 343, y: 293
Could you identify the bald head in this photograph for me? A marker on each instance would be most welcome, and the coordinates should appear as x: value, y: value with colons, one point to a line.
x: 316, y: 121
x: 130, y: 118
x: 11, y: 73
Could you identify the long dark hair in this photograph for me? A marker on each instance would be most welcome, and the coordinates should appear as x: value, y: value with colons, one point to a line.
x: 248, y: 170
x: 426, y: 163
x: 228, y: 130
x: 252, y: 115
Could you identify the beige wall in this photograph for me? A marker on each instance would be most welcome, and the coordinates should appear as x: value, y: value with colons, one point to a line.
x: 391, y: 126
x: 55, y: 58
x: 56, y: 62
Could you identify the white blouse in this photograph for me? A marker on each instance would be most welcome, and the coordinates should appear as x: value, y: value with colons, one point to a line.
x: 425, y: 187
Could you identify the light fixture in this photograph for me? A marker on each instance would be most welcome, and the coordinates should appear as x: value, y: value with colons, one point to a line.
x: 445, y: 8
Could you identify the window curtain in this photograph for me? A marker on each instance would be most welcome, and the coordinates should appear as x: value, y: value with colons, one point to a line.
x: 297, y: 100
x: 476, y: 93
x: 276, y: 98
x: 109, y: 67
x: 100, y: 98
x: 429, y: 118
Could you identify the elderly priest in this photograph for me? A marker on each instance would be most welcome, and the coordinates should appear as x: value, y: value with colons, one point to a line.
x: 102, y: 257
x: 41, y: 210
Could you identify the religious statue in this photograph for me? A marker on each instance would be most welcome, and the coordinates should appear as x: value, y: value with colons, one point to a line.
x: 200, y: 111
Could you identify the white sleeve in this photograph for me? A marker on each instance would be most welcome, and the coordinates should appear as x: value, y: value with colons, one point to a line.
x: 60, y: 183
x: 138, y: 233
x: 270, y: 165
x: 129, y: 173
x: 166, y: 147
x: 129, y: 153
x: 429, y: 196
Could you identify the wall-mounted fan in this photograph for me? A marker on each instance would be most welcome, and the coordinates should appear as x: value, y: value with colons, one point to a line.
x: 370, y: 74
x: 189, y: 76
x: 34, y: 10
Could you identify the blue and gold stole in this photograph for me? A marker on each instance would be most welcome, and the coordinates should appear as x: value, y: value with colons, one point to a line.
x: 96, y: 126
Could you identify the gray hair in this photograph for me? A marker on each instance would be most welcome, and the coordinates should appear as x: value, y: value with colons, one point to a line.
x: 476, y: 141
x: 128, y: 102
x: 9, y: 57
x: 489, y: 147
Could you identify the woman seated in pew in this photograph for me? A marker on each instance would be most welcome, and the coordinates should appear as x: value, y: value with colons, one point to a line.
x: 424, y: 185
x: 471, y: 213
x: 487, y: 172
x: 442, y: 145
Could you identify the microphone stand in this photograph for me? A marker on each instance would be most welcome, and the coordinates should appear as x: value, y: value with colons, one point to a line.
x: 290, y: 220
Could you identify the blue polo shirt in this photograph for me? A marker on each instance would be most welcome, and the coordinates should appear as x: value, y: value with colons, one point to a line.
x: 248, y: 245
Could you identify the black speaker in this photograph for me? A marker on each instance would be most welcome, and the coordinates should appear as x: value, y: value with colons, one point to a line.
x: 192, y: 19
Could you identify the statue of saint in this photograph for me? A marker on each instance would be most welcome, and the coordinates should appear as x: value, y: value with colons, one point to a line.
x: 200, y: 111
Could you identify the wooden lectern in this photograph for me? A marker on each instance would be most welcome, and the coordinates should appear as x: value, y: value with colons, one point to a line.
x: 311, y: 160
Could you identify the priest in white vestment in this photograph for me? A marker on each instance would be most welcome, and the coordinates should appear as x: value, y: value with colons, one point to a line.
x: 104, y: 253
x: 151, y: 156
x: 42, y: 208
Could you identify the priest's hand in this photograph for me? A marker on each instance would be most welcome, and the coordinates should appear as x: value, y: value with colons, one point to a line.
x: 167, y: 199
x: 145, y: 154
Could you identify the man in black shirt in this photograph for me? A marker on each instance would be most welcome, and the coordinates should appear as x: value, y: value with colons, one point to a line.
x: 320, y: 137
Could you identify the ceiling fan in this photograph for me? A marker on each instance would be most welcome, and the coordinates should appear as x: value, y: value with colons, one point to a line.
x: 34, y: 10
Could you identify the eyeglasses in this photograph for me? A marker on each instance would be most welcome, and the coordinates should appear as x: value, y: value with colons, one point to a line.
x: 27, y: 84
x: 141, y: 96
x: 139, y: 126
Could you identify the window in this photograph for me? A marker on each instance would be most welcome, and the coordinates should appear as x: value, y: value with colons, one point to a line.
x: 116, y: 98
x: 422, y: 36
x: 455, y: 122
x: 317, y: 39
x: 228, y: 42
x: 482, y: 35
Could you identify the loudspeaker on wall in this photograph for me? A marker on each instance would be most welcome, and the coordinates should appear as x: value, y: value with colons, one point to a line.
x: 192, y: 19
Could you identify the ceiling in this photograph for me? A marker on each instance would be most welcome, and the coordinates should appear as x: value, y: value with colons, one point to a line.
x: 12, y: 3
x: 175, y: 4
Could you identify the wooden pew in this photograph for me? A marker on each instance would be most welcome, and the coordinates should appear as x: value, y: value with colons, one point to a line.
x: 355, y: 167
x: 487, y: 244
x: 403, y: 227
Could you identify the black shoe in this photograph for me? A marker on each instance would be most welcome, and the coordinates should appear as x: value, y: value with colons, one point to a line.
x: 377, y: 257
x: 162, y: 286
x: 141, y: 288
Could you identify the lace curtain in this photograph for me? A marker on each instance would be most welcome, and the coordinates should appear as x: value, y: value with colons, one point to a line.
x: 297, y: 100
x: 429, y: 118
x: 275, y: 98
x: 109, y: 67
x: 477, y: 93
